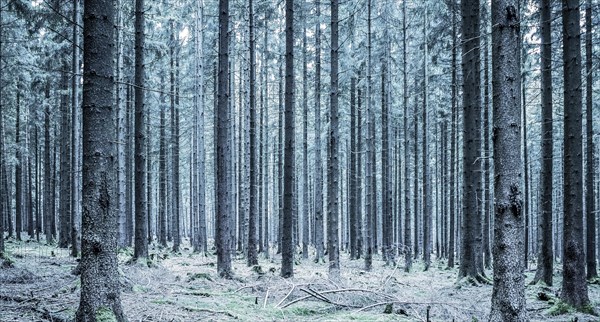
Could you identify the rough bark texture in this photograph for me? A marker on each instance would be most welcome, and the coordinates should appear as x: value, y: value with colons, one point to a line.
x: 427, y: 193
x: 486, y: 153
x: 471, y: 256
x: 369, y: 189
x: 224, y: 207
x: 75, y: 132
x: 352, y: 209
x: 545, y: 259
x: 287, y: 245
x: 589, y: 181
x: 4, y: 209
x: 508, y: 295
x: 100, y: 293
x: 333, y: 172
x: 318, y: 175
x: 162, y: 170
x: 140, y: 249
x: 253, y: 215
x: 574, y: 285
x: 407, y: 213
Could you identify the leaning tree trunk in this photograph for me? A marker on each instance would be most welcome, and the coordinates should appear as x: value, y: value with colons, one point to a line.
x: 100, y: 293
x: 508, y: 296
x: 574, y: 285
x: 545, y: 259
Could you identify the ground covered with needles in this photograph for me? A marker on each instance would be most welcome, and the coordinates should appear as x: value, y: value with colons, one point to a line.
x: 37, y: 284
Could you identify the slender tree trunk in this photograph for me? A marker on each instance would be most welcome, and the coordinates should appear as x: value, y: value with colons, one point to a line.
x: 162, y: 170
x: 471, y: 255
x: 508, y: 296
x: 305, y: 212
x: 589, y: 181
x: 19, y: 171
x: 386, y: 166
x: 48, y: 200
x: 100, y: 293
x: 359, y: 167
x: 333, y: 175
x: 200, y: 191
x: 369, y: 206
x: 427, y: 191
x: 453, y: 124
x: 252, y: 258
x: 353, y: 197
x: 407, y: 214
x: 75, y: 140
x: 574, y: 285
x: 175, y: 126
x: 487, y: 152
x: 223, y: 222
x: 141, y: 204
x: 287, y: 245
x: 318, y: 173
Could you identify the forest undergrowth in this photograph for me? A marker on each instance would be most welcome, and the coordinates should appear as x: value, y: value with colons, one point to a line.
x: 38, y: 284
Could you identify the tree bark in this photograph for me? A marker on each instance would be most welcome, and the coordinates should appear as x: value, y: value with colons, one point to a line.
x: 369, y: 189
x: 407, y: 212
x: 318, y: 174
x: 545, y: 259
x: 589, y: 181
x: 508, y: 296
x: 223, y: 215
x: 427, y: 191
x: 471, y: 255
x: 287, y: 245
x: 140, y: 249
x: 333, y: 175
x: 100, y: 293
x: 75, y: 140
x: 252, y: 258
x: 574, y: 285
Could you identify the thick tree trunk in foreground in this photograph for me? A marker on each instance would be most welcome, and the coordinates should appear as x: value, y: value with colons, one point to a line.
x: 545, y: 259
x: 100, y: 293
x: 574, y: 285
x: 508, y: 296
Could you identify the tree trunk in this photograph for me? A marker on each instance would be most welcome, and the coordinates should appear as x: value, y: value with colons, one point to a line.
x: 223, y: 215
x: 407, y: 214
x: 369, y: 206
x: 487, y: 153
x: 427, y: 191
x: 386, y: 165
x: 4, y: 208
x: 305, y: 212
x: 141, y: 206
x: 353, y: 196
x: 574, y: 285
x: 287, y: 244
x: 318, y: 173
x: 508, y: 296
x: 589, y: 181
x: 253, y: 215
x: 48, y: 201
x: 19, y: 171
x: 333, y: 175
x: 471, y: 255
x: 162, y: 170
x: 545, y: 259
x: 100, y: 293
x: 75, y: 140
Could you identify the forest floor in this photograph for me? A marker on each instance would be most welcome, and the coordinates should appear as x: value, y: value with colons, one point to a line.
x: 39, y: 286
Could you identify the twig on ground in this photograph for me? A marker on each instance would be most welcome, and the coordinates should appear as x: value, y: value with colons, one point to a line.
x: 285, y: 298
x: 266, y: 298
x: 340, y: 291
x: 216, y: 312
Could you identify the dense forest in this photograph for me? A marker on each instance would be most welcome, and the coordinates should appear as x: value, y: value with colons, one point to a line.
x: 299, y: 160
